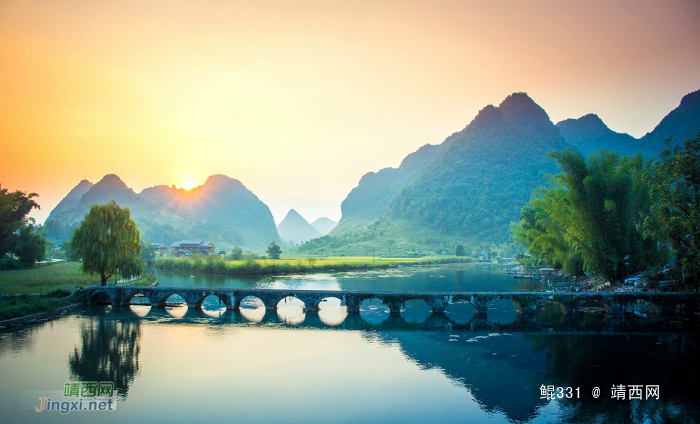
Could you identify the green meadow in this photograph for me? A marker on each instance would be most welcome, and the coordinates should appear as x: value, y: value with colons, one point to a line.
x: 51, y: 277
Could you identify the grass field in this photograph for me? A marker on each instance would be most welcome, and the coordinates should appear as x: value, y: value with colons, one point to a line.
x: 334, y: 260
x: 49, y: 278
x: 216, y: 265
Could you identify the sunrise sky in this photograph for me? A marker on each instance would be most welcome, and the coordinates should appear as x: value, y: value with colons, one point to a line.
x: 298, y: 99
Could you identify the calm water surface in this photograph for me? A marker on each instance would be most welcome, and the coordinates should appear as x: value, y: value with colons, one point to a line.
x: 213, y: 365
x: 461, y: 277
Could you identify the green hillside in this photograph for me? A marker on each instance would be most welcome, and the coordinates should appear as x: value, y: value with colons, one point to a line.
x: 479, y: 183
x: 367, y: 202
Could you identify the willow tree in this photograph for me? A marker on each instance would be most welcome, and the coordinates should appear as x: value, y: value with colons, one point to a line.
x: 107, y: 242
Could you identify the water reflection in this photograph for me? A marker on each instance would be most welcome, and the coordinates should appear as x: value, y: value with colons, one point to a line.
x: 396, y: 369
x: 109, y: 351
x: 504, y: 366
x: 455, y: 277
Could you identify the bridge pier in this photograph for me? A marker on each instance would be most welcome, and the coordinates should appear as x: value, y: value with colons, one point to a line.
x: 352, y: 303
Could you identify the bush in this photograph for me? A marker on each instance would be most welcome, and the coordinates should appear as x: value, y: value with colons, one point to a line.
x: 11, y: 263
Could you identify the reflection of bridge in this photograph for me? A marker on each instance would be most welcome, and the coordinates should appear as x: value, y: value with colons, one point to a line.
x: 526, y: 303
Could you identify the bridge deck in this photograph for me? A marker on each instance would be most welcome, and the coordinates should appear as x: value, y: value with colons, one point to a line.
x: 526, y: 302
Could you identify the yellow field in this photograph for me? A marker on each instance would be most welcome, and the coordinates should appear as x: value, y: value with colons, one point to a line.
x: 332, y: 260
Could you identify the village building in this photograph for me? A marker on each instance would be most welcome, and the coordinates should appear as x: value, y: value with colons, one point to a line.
x: 192, y: 246
x: 160, y: 247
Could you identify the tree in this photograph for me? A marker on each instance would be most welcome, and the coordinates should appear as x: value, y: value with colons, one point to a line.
x: 107, y: 241
x: 236, y: 254
x: 675, y: 179
x: 274, y: 251
x: 459, y: 250
x: 592, y: 218
x: 148, y: 252
x: 69, y: 250
x: 14, y: 208
x: 29, y: 245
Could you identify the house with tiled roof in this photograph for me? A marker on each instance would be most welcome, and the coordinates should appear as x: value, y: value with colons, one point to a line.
x: 193, y: 246
x: 160, y: 247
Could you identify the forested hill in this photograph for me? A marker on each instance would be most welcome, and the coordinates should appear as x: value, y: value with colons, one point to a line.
x: 479, y: 183
x: 588, y: 133
x: 681, y: 124
x: 367, y: 202
x: 221, y: 210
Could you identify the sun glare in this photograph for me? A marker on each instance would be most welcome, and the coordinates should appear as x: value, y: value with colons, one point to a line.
x: 188, y: 185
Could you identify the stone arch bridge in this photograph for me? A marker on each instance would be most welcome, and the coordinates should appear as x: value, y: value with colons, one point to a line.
x: 526, y: 302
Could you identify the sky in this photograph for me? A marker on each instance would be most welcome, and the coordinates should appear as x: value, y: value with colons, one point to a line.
x: 299, y: 99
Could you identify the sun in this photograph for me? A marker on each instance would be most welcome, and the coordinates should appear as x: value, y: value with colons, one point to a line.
x: 188, y: 185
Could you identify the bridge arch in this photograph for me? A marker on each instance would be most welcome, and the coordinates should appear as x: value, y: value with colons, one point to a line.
x: 373, y: 310
x: 251, y: 307
x: 291, y: 309
x: 415, y: 310
x: 595, y: 305
x: 550, y: 312
x: 332, y: 311
x: 461, y: 312
x: 644, y: 307
x: 504, y: 311
x: 100, y: 297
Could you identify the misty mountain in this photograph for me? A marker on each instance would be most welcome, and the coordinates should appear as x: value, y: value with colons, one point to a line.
x: 68, y: 205
x: 589, y: 134
x: 294, y: 228
x: 367, y: 202
x: 221, y: 210
x: 324, y: 225
x: 111, y: 187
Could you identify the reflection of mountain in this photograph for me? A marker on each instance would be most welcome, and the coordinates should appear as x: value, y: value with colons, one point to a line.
x: 502, y: 371
x: 109, y: 351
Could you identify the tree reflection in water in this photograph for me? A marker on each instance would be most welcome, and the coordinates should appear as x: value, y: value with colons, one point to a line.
x: 108, y: 351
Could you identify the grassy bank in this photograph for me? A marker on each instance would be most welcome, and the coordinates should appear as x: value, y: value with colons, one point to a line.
x: 216, y: 265
x: 25, y: 304
x: 52, y: 277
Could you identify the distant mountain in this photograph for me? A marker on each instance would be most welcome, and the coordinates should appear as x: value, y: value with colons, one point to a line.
x: 367, y: 202
x: 680, y: 124
x: 482, y: 179
x: 324, y: 225
x: 111, y: 187
x: 294, y: 228
x: 67, y: 206
x: 589, y: 134
x: 221, y: 210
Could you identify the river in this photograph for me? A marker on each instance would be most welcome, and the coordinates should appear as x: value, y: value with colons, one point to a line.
x: 213, y: 365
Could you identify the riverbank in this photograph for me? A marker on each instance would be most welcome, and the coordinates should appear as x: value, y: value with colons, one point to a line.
x: 44, y: 279
x: 216, y: 265
x: 26, y: 305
